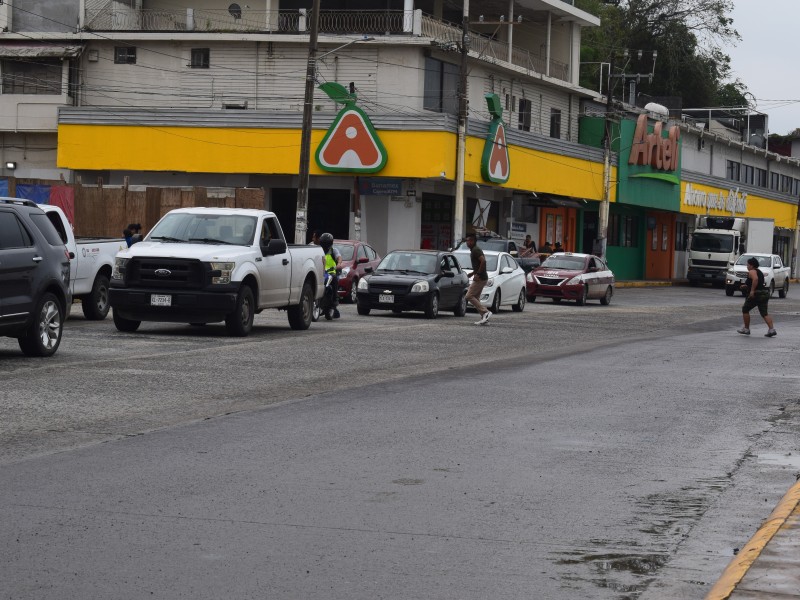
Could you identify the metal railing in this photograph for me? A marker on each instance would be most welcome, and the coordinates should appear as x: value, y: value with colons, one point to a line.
x: 114, y: 18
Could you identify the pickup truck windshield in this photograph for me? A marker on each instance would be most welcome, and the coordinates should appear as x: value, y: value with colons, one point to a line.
x: 763, y: 261
x: 712, y: 242
x: 207, y: 228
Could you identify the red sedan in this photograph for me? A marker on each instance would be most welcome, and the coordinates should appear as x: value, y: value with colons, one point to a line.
x: 571, y: 276
x: 356, y: 257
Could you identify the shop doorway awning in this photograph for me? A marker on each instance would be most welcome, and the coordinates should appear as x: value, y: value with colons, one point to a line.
x: 39, y: 51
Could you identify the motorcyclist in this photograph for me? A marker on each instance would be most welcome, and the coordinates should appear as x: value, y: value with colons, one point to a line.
x: 333, y: 265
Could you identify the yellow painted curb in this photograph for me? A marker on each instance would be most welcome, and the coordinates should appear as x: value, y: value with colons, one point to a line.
x: 738, y: 567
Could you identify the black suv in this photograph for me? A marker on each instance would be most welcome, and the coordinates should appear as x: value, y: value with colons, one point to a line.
x: 34, y: 277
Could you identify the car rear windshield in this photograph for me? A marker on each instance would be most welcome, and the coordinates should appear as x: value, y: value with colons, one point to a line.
x: 49, y: 232
x: 346, y: 250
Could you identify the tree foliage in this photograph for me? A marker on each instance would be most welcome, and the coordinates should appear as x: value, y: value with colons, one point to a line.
x: 687, y: 36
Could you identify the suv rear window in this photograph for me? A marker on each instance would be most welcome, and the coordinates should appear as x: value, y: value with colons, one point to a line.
x: 49, y: 232
x: 12, y: 233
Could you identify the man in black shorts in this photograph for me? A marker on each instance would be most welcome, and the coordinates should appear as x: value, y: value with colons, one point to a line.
x: 757, y: 296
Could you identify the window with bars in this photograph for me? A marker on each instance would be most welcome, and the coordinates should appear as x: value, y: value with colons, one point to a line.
x: 555, y: 123
x: 525, y: 107
x: 40, y: 77
x: 125, y: 55
x: 733, y: 170
x: 761, y: 178
x: 201, y: 58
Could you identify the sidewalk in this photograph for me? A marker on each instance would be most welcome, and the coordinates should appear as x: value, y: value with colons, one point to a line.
x: 769, y: 564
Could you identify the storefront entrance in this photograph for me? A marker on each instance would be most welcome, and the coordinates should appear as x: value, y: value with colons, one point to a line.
x: 659, y: 253
x: 436, y: 227
x: 328, y: 211
x: 558, y: 225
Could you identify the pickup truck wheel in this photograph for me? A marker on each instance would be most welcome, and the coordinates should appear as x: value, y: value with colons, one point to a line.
x: 784, y: 291
x: 729, y: 290
x: 44, y: 334
x: 461, y: 307
x: 300, y: 315
x: 123, y: 324
x: 432, y: 310
x: 95, y: 305
x: 771, y: 288
x: 240, y: 321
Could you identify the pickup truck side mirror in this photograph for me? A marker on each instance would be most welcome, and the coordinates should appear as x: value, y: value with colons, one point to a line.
x: 273, y: 247
x: 448, y: 274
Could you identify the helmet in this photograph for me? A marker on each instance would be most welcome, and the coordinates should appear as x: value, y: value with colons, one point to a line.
x: 326, y: 241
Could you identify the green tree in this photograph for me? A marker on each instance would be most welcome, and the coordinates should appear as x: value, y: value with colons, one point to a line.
x: 687, y: 36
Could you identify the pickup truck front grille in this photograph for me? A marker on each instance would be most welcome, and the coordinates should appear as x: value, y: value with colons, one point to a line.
x: 709, y: 263
x: 174, y: 273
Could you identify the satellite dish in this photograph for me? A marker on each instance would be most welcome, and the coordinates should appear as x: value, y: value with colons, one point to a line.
x: 658, y: 109
x: 235, y: 10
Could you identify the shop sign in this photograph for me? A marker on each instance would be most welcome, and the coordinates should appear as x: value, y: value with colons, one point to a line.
x: 495, y: 164
x: 368, y: 186
x: 730, y: 202
x: 654, y: 150
x: 351, y: 143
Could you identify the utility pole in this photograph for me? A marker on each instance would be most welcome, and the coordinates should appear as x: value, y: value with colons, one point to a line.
x: 602, y: 226
x: 301, y: 216
x: 458, y: 224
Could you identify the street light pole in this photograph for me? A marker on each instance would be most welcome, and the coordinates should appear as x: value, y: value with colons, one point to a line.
x: 301, y: 219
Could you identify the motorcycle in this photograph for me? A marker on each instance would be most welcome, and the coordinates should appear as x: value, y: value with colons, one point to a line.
x: 324, y: 306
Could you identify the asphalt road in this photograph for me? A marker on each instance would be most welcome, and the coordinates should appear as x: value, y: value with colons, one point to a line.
x: 565, y: 452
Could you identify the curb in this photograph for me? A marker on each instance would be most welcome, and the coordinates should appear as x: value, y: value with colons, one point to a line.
x: 741, y: 563
x: 645, y: 283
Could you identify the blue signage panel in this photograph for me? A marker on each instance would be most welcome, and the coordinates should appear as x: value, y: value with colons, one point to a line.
x: 379, y: 186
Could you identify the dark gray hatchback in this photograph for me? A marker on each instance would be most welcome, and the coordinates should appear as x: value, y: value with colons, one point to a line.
x: 34, y: 278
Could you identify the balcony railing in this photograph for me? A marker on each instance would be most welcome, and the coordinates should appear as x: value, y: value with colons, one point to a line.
x: 449, y: 36
x: 375, y: 22
x: 114, y: 18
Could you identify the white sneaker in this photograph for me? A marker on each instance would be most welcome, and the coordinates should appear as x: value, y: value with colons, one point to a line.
x: 485, y: 317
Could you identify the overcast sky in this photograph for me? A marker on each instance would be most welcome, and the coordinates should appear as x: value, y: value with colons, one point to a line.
x: 765, y: 59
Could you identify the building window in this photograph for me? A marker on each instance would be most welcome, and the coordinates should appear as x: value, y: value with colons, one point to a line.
x: 774, y: 181
x: 786, y: 184
x: 629, y: 231
x: 525, y: 114
x: 441, y: 86
x: 761, y: 178
x: 555, y: 123
x: 748, y: 174
x: 125, y: 55
x: 42, y: 77
x: 734, y: 170
x: 796, y: 187
x: 681, y: 236
x: 613, y: 231
x: 201, y: 58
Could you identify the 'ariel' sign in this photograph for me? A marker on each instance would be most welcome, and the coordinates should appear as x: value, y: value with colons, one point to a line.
x: 495, y: 165
x: 351, y: 144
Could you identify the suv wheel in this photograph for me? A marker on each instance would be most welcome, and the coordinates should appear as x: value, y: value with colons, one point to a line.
x: 44, y: 333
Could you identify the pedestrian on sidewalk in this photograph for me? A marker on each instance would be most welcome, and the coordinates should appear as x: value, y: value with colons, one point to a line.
x: 479, y: 278
x: 757, y: 296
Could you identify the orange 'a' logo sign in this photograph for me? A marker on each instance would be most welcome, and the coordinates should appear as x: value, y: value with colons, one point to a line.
x: 495, y: 164
x: 351, y: 144
x: 499, y: 166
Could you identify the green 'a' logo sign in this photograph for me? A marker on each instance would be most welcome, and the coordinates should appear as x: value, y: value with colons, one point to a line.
x: 351, y: 144
x: 495, y: 165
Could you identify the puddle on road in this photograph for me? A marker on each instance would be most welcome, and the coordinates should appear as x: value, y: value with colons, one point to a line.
x: 658, y: 523
x: 783, y: 459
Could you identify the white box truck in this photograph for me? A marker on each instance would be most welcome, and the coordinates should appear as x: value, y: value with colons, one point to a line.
x: 718, y: 241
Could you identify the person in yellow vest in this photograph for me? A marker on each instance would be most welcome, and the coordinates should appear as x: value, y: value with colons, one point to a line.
x: 333, y: 265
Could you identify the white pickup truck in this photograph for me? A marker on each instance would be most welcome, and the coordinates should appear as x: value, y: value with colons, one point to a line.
x: 91, y: 261
x: 207, y: 265
x: 776, y: 274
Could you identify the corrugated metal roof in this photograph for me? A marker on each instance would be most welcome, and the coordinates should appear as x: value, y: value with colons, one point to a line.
x: 39, y: 51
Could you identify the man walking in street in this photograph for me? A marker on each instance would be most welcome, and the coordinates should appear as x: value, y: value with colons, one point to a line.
x: 757, y: 296
x: 479, y: 278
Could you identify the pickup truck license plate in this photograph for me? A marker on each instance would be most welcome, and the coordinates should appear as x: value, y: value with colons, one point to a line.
x: 386, y: 298
x: 160, y: 300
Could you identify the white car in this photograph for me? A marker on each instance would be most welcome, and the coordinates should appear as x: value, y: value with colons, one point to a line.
x: 776, y: 274
x: 506, y: 284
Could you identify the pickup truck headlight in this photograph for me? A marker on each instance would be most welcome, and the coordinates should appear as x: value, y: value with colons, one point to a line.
x: 363, y: 284
x: 118, y: 272
x: 731, y: 272
x: 420, y: 286
x: 221, y: 272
